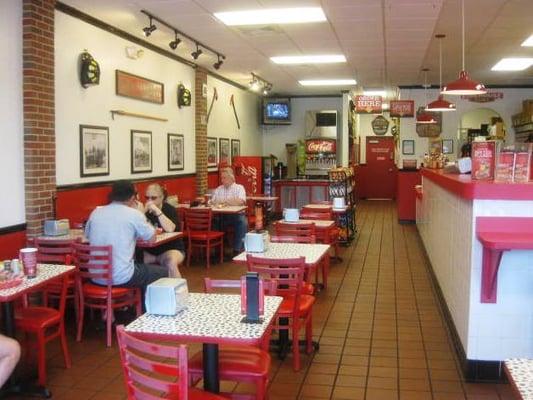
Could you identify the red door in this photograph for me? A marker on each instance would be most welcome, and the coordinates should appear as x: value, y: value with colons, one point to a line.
x: 380, y: 169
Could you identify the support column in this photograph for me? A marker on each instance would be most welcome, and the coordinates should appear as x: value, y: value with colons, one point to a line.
x: 200, y: 108
x: 39, y: 112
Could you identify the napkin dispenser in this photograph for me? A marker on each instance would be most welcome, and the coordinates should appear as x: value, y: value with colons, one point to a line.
x: 339, y: 202
x: 256, y: 242
x: 291, y: 214
x: 166, y: 296
x: 56, y: 227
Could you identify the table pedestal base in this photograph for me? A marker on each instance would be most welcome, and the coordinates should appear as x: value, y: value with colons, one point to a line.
x: 210, y: 360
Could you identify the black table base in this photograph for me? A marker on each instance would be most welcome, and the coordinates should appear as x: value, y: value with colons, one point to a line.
x: 210, y: 361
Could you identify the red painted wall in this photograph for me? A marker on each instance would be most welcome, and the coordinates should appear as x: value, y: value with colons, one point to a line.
x: 10, y: 243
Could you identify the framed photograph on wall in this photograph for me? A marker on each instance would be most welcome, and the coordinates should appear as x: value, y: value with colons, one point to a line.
x: 212, y: 151
x: 447, y: 146
x: 175, y: 152
x: 94, y: 150
x: 141, y: 151
x: 224, y: 151
x: 408, y: 147
x: 235, y: 148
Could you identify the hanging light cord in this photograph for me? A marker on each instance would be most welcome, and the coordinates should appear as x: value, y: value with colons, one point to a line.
x: 463, y: 17
x: 440, y: 64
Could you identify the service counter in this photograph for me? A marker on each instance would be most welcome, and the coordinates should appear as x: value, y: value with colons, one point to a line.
x: 296, y: 193
x: 491, y: 311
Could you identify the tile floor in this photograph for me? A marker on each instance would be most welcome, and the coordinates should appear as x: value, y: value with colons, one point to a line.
x: 380, y: 328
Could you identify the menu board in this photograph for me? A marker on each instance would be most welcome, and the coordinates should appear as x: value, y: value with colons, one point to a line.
x: 521, y: 166
x: 505, y: 166
x: 483, y: 160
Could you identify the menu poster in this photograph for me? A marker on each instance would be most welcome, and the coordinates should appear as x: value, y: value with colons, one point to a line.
x: 483, y: 160
x: 505, y: 166
x: 521, y: 166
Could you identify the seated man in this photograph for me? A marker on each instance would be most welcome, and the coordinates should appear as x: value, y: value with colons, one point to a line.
x: 120, y: 224
x: 9, y: 357
x: 231, y: 194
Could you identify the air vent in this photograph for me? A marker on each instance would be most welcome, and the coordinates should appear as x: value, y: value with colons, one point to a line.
x: 259, y: 30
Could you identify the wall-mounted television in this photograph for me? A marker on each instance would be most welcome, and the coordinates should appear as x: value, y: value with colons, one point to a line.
x: 276, y: 111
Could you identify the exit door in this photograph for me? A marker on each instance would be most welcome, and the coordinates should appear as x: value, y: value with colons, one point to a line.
x: 381, y: 171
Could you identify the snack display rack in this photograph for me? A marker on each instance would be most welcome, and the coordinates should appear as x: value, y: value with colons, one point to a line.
x: 342, y: 184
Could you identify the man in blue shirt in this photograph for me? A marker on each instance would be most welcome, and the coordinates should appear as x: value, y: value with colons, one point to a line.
x: 120, y: 224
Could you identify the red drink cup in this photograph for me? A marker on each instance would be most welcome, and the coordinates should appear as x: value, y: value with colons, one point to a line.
x: 28, y: 256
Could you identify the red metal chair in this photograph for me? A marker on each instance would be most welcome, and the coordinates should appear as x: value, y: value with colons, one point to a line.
x: 332, y: 235
x: 155, y: 371
x: 46, y: 324
x: 96, y: 262
x: 200, y: 235
x: 237, y: 363
x: 296, y: 306
x: 57, y: 252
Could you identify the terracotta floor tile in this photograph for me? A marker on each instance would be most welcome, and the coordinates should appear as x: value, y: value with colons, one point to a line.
x: 381, y: 394
x: 419, y: 385
x: 352, y: 381
x: 353, y: 370
x: 412, y: 363
x: 327, y: 358
x: 322, y: 379
x: 354, y: 360
x: 448, y: 396
x: 376, y: 382
x: 384, y: 362
x: 385, y: 372
x: 446, y: 386
x: 413, y: 395
x: 445, y: 374
x: 316, y: 391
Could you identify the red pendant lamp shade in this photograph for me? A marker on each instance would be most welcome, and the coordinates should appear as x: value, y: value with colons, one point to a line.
x: 464, y: 86
x: 440, y: 105
x: 425, y: 118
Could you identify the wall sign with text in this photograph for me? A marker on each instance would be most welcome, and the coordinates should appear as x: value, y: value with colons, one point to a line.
x: 313, y: 146
x: 368, y: 104
x: 402, y: 108
x: 137, y: 87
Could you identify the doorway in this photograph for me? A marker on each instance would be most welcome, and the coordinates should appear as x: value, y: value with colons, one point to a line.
x: 380, y: 168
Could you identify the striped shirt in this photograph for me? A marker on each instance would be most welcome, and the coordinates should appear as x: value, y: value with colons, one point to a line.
x: 222, y: 193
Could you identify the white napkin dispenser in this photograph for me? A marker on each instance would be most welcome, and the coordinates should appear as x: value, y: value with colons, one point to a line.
x: 255, y: 242
x: 291, y: 214
x: 339, y: 202
x: 166, y: 296
x: 56, y: 227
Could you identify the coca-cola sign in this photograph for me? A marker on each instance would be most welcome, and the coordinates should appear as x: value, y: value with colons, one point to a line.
x: 314, y: 146
x: 402, y: 108
x: 368, y: 104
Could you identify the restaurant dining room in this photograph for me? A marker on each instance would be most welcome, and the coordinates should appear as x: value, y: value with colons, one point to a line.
x: 264, y: 199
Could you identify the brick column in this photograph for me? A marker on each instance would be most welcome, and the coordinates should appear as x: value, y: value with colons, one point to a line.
x: 39, y: 111
x: 200, y: 112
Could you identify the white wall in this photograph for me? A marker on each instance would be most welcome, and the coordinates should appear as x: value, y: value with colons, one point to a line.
x: 222, y: 123
x: 11, y: 117
x: 473, y: 119
x: 276, y: 136
x: 76, y: 105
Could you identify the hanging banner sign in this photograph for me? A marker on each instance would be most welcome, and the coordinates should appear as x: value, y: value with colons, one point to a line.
x: 368, y: 104
x: 402, y: 108
x: 484, y: 98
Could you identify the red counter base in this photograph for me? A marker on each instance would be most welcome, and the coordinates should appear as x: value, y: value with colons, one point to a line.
x: 498, y: 234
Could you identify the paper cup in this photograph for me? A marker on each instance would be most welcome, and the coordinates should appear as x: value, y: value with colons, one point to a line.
x: 28, y: 256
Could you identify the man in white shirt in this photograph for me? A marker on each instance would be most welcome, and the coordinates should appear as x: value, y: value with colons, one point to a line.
x: 231, y: 194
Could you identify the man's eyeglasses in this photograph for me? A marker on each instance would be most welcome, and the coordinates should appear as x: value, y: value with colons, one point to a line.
x: 151, y: 197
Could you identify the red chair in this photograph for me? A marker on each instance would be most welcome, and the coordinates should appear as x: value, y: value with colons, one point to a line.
x: 200, y: 235
x: 96, y: 262
x: 237, y: 363
x: 332, y: 235
x: 46, y: 324
x: 155, y: 371
x: 57, y: 252
x: 296, y: 306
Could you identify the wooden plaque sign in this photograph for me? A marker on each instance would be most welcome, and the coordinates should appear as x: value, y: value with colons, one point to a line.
x: 402, y: 108
x: 137, y: 87
x: 368, y: 104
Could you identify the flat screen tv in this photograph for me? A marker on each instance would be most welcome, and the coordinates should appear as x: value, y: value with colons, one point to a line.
x: 276, y: 111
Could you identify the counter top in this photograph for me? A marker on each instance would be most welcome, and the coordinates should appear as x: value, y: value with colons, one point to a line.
x: 463, y: 186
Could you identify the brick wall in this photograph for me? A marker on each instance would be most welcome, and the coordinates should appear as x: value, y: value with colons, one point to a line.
x: 200, y: 104
x: 39, y: 111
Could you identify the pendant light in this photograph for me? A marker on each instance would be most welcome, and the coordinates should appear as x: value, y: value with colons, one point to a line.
x: 440, y: 104
x: 425, y: 117
x: 464, y: 85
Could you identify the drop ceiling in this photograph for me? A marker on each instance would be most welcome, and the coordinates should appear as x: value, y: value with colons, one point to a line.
x: 386, y: 42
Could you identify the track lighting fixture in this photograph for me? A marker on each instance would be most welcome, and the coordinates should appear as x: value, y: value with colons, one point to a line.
x: 174, y: 44
x: 219, y: 63
x: 147, y: 30
x: 196, y: 54
x: 259, y: 84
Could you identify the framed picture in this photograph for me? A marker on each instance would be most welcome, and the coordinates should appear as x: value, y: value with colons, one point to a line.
x: 175, y: 152
x: 137, y: 87
x: 141, y: 151
x: 408, y: 147
x: 211, y: 152
x: 94, y: 150
x: 447, y: 146
x: 224, y: 151
x: 235, y: 148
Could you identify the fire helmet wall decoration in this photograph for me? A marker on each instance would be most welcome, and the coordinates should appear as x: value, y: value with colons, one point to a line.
x: 89, y: 70
x: 184, y: 96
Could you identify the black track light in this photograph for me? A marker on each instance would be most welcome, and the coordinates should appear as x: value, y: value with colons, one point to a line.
x: 174, y: 44
x: 196, y: 54
x: 219, y: 63
x: 147, y: 30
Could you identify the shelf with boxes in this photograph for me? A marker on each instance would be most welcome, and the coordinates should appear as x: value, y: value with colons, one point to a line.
x: 342, y: 184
